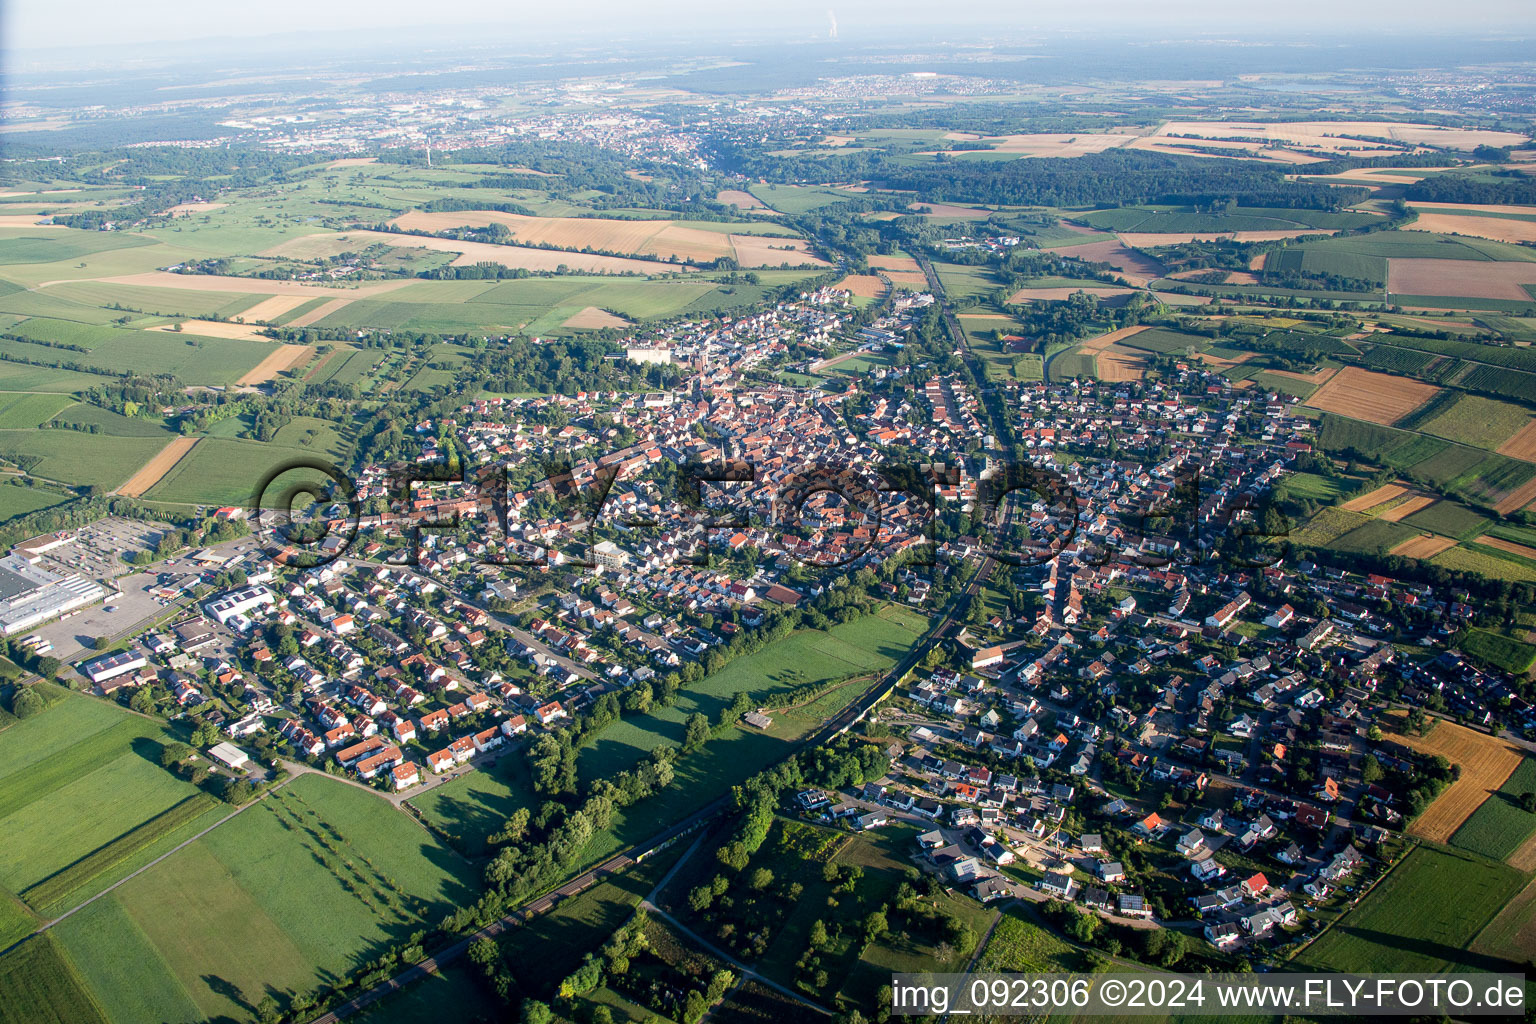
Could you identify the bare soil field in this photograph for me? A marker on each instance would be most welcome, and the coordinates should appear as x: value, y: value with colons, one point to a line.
x: 1518, y: 498
x: 1327, y: 135
x: 470, y: 253
x: 1417, y: 503
x: 865, y: 286
x: 1045, y: 144
x: 271, y: 309
x: 1257, y: 263
x: 217, y: 329
x: 951, y: 211
x: 181, y: 209
x: 1422, y: 548
x: 770, y: 251
x: 1504, y: 545
x: 1374, y: 498
x: 27, y: 220
x: 1523, y: 211
x: 1522, y: 445
x: 1221, y: 363
x: 352, y: 161
x: 1500, y: 229
x: 741, y: 200
x: 319, y: 313
x: 151, y: 472
x: 1486, y: 762
x: 1376, y: 397
x: 286, y: 357
x: 905, y: 263
x: 1138, y: 268
x: 594, y: 317
x: 1203, y: 147
x: 1044, y: 294
x: 1478, y: 279
x: 1525, y: 857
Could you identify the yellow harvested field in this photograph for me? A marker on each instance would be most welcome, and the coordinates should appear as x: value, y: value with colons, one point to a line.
x: 1500, y: 229
x: 319, y: 313
x: 1054, y: 294
x: 1522, y: 445
x: 951, y: 211
x: 771, y: 251
x: 270, y: 309
x: 1257, y: 263
x: 1417, y: 503
x: 741, y: 200
x: 1320, y: 377
x: 187, y: 208
x: 217, y: 329
x: 1376, y: 397
x: 352, y: 161
x: 1116, y: 363
x: 1486, y: 761
x: 152, y: 471
x: 593, y: 317
x: 1222, y: 363
x: 1478, y: 279
x: 1328, y: 135
x: 1137, y: 268
x: 1523, y: 550
x: 1423, y: 547
x: 1524, y: 858
x: 27, y: 220
x: 908, y: 279
x: 865, y: 286
x: 1374, y: 498
x: 1208, y: 148
x: 1522, y: 211
x: 1044, y: 144
x: 469, y: 253
x: 285, y: 357
x: 1104, y: 341
x: 1147, y: 239
x: 894, y: 263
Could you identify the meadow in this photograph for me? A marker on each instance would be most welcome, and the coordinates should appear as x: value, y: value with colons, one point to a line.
x: 1499, y: 827
x: 296, y: 890
x: 38, y: 985
x: 1406, y: 924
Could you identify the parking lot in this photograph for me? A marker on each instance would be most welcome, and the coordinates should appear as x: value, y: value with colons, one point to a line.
x: 96, y: 550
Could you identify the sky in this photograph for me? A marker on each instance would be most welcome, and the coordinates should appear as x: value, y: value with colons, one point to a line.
x: 32, y: 25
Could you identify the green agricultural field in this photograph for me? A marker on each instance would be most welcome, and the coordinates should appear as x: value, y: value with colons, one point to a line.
x: 38, y: 985
x: 74, y: 458
x: 477, y: 803
x: 963, y: 284
x: 195, y: 360
x: 21, y: 377
x: 1375, y: 537
x: 1449, y: 519
x: 796, y: 199
x: 15, y: 920
x: 1464, y: 560
x: 1512, y: 656
x: 1481, y: 422
x: 1166, y: 342
x: 1321, y: 489
x: 105, y: 421
x: 19, y: 411
x: 1328, y: 526
x: 1406, y: 924
x: 1497, y: 828
x: 291, y: 892
x: 221, y: 471
x: 1284, y: 385
x: 53, y: 245
x: 17, y: 499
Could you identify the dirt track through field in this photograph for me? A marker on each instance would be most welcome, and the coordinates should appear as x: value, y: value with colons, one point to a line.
x: 1486, y: 761
x: 155, y: 469
x: 1374, y: 397
x: 284, y: 358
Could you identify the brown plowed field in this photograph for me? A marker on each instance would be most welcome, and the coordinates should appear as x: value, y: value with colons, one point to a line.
x: 1500, y: 229
x: 1476, y: 279
x: 866, y: 286
x: 1376, y: 397
x: 152, y: 471
x: 1373, y: 498
x: 1508, y: 545
x: 741, y: 200
x: 1486, y: 762
x: 1415, y: 504
x: 1424, y: 547
x: 594, y: 317
x: 1518, y: 498
x: 1522, y: 444
x: 285, y: 357
x: 271, y: 309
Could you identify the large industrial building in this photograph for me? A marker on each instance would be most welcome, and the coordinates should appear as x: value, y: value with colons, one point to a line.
x: 30, y: 596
